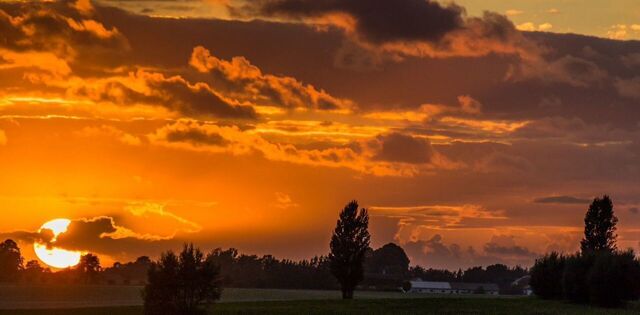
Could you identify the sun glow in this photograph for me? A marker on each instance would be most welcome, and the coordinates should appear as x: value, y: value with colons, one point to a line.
x: 49, y: 254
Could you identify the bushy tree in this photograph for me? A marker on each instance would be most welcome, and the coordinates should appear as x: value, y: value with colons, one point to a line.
x: 134, y: 272
x: 349, y: 244
x: 89, y: 268
x: 389, y: 259
x: 440, y: 275
x: 406, y: 286
x: 251, y: 271
x: 574, y: 278
x: 546, y: 276
x: 613, y: 279
x: 183, y: 284
x: 600, y: 226
x: 34, y: 272
x: 10, y: 261
x: 599, y: 274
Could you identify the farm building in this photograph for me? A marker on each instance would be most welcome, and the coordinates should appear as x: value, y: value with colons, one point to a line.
x: 453, y: 287
x: 430, y: 287
x: 523, y: 285
x: 474, y: 288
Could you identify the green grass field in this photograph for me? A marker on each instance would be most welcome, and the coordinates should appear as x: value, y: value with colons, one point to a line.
x: 125, y: 300
x: 34, y: 297
x: 434, y: 305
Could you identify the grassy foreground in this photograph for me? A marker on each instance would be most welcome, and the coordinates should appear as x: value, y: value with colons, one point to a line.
x: 371, y: 306
x: 69, y: 297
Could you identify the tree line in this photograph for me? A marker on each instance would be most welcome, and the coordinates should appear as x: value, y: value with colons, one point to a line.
x: 385, y: 268
x: 14, y: 270
x: 599, y: 274
x: 189, y: 281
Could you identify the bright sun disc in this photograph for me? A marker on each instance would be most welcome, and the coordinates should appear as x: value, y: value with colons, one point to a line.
x: 52, y: 256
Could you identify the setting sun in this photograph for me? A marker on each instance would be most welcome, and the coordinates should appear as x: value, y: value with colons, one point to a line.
x: 52, y: 256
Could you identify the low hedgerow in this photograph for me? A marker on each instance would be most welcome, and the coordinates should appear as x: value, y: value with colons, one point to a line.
x: 604, y: 278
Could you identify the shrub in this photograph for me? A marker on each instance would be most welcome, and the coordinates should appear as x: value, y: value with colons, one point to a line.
x: 183, y: 284
x: 574, y: 279
x: 406, y: 286
x: 613, y: 278
x: 546, y: 276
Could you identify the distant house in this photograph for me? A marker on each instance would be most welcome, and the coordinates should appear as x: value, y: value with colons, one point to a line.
x: 522, y: 284
x: 430, y: 287
x: 475, y: 288
x: 453, y: 287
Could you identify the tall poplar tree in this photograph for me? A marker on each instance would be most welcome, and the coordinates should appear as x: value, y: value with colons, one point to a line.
x: 600, y: 226
x: 349, y: 244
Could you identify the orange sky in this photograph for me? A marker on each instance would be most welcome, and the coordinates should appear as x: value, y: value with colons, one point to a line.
x: 470, y: 141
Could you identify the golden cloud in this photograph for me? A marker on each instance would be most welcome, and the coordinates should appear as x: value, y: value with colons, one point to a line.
x: 244, y: 82
x: 362, y: 156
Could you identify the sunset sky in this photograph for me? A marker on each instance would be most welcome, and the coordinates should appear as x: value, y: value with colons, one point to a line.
x: 475, y: 132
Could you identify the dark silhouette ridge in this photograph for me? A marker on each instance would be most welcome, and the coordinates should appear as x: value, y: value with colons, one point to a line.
x: 385, y: 268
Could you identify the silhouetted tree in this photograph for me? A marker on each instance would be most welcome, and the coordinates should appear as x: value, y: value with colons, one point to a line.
x: 10, y: 261
x: 389, y: 259
x: 406, y: 286
x: 574, y: 278
x: 599, y: 274
x: 503, y: 276
x: 183, y: 284
x: 546, y: 276
x: 251, y: 271
x: 613, y: 278
x: 226, y: 260
x: 349, y: 244
x: 431, y: 274
x: 34, y: 272
x: 131, y: 273
x: 89, y: 268
x: 143, y: 261
x: 386, y: 267
x: 600, y: 226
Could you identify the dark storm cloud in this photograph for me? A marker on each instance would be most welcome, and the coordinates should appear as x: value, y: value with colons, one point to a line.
x: 84, y: 234
x: 298, y: 51
x: 376, y: 20
x: 397, y: 147
x: 101, y: 235
x: 388, y: 29
x: 98, y: 235
x: 44, y: 236
x: 562, y: 200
